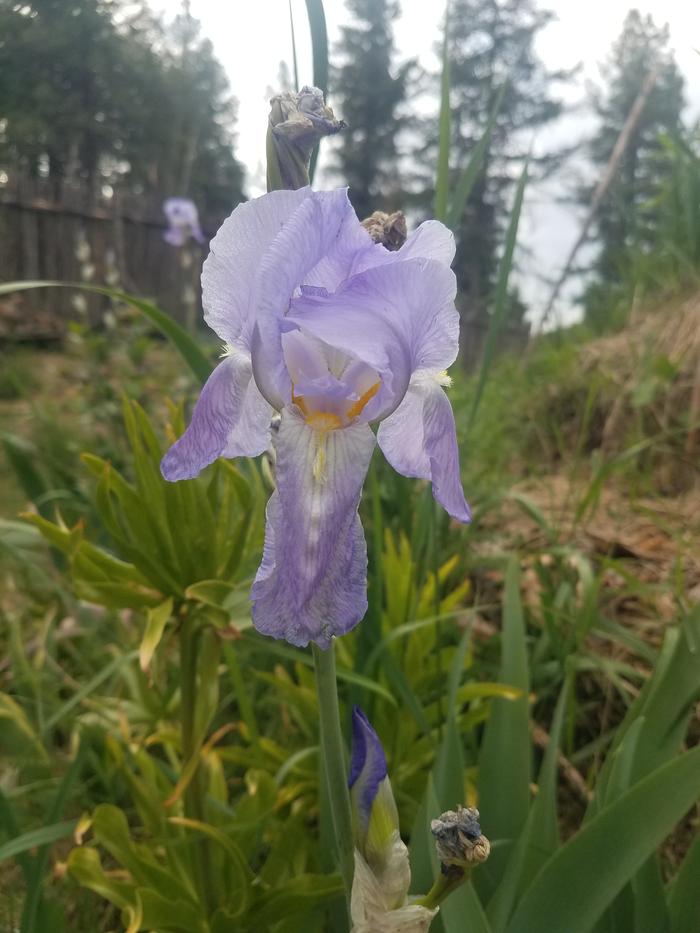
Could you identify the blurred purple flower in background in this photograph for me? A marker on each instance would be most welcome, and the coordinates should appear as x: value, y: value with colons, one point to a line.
x: 183, y: 221
x: 334, y: 332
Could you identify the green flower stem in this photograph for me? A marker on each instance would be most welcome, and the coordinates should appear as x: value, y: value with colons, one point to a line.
x: 446, y: 882
x: 194, y: 796
x: 334, y: 761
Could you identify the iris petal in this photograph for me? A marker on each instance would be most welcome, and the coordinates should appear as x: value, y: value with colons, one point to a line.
x: 417, y: 296
x: 229, y: 274
x: 312, y: 583
x: 419, y: 439
x: 431, y: 240
x: 310, y: 237
x: 230, y: 419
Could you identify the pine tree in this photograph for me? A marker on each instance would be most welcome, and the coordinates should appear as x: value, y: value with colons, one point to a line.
x: 368, y: 94
x: 491, y: 43
x: 100, y: 90
x: 628, y: 219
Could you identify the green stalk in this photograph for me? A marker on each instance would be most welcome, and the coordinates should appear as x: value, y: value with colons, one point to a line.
x: 334, y: 766
x: 193, y: 797
x: 447, y: 881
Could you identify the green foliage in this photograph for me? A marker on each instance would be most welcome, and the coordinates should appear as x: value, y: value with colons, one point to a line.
x: 645, y: 787
x: 630, y: 221
x: 319, y: 47
x: 180, y: 339
x: 667, y: 259
x: 145, y: 520
x: 495, y: 87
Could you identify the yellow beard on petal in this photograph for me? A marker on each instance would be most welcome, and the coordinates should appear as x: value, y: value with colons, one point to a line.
x: 356, y: 409
x: 325, y: 421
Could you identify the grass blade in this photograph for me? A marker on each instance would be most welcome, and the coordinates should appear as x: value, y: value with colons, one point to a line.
x: 500, y: 309
x: 471, y: 170
x: 32, y: 902
x: 295, y: 64
x: 319, y: 50
x: 88, y: 688
x: 505, y: 763
x: 683, y: 900
x: 45, y: 835
x: 584, y: 877
x: 442, y: 181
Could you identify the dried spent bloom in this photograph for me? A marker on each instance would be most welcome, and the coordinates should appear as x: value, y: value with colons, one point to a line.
x: 183, y: 221
x: 296, y: 123
x: 379, y: 899
x: 335, y: 333
x: 458, y: 838
x: 387, y: 229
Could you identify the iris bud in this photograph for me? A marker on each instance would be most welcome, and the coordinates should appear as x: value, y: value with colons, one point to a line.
x: 296, y: 123
x: 379, y: 899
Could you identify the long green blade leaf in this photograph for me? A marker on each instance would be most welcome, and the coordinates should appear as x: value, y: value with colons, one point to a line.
x: 505, y: 763
x: 33, y: 900
x: 577, y: 884
x: 471, y: 170
x: 88, y: 688
x: 36, y: 837
x: 180, y: 339
x: 501, y: 302
x: 683, y: 900
x: 442, y: 181
x: 319, y: 51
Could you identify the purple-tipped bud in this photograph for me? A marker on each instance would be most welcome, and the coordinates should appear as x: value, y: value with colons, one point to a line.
x: 367, y: 768
x: 183, y: 221
x: 296, y: 123
x: 376, y: 821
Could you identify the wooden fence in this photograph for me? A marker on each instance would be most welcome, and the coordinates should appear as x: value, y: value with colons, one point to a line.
x: 68, y: 235
x: 116, y: 240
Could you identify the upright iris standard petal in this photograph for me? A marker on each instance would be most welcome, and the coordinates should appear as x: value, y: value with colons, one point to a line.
x: 307, y: 241
x: 230, y: 419
x: 230, y: 273
x: 312, y: 583
x: 400, y: 319
x: 419, y: 440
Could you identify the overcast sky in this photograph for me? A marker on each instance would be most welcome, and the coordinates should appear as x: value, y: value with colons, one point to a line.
x: 251, y: 37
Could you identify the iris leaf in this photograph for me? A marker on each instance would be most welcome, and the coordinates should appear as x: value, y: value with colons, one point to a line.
x: 180, y: 339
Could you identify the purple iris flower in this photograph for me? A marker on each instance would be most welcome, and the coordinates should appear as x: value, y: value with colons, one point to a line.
x: 183, y: 221
x: 334, y: 332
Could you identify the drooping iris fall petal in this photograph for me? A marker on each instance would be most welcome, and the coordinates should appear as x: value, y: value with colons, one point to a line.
x: 312, y: 583
x: 419, y: 439
x: 230, y: 419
